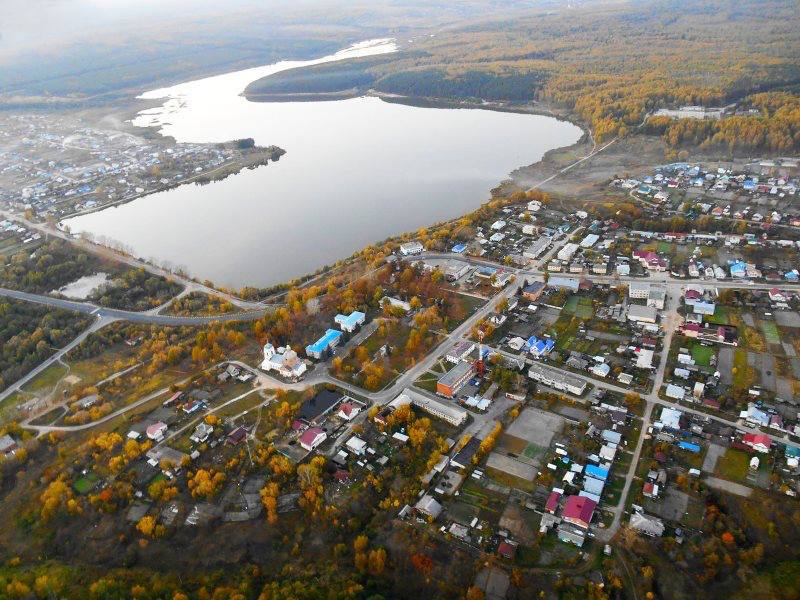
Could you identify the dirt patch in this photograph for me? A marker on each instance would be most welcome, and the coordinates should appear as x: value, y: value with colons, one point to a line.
x: 712, y: 455
x: 518, y: 523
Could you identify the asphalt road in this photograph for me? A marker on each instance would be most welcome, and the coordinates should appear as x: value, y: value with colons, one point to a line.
x: 129, y: 315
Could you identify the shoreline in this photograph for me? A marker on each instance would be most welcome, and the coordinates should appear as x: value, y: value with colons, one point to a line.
x: 266, y: 155
x: 278, y: 289
x: 135, y: 105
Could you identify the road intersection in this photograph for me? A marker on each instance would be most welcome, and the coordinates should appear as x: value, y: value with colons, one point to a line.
x: 320, y: 375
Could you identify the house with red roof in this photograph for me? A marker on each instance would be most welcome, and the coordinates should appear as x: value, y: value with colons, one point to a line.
x: 507, y: 549
x: 651, y: 261
x: 777, y: 296
x: 691, y: 330
x: 757, y: 441
x: 579, y: 510
x: 312, y: 438
x: 551, y: 506
x: 348, y: 410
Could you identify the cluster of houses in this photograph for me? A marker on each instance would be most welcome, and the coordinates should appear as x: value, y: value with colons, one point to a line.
x: 312, y: 425
x: 572, y: 503
x: 95, y: 167
x: 722, y: 185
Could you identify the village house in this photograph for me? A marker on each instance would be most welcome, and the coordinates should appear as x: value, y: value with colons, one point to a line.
x: 579, y: 511
x: 348, y: 410
x: 651, y: 260
x: 757, y: 441
x: 312, y: 437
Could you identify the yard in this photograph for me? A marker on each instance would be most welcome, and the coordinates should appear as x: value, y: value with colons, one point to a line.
x: 733, y: 465
x: 702, y: 354
x: 86, y: 484
x: 770, y: 330
x: 721, y: 316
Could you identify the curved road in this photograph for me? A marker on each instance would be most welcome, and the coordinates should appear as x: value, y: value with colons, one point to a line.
x: 129, y: 315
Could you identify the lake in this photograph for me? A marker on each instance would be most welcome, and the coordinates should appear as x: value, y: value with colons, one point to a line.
x: 356, y: 171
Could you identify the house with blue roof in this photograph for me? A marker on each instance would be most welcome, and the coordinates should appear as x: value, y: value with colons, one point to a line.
x: 689, y: 446
x: 458, y: 248
x: 792, y: 275
x: 539, y: 347
x: 597, y: 472
x: 738, y: 268
x: 322, y: 345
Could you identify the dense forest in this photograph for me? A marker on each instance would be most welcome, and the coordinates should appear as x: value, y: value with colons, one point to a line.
x: 775, y: 126
x: 609, y: 65
x: 137, y: 290
x: 29, y: 333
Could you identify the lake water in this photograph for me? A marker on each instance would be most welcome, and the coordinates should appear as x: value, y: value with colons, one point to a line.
x: 356, y: 171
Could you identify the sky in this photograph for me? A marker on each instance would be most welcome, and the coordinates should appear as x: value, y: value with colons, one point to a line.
x: 35, y: 23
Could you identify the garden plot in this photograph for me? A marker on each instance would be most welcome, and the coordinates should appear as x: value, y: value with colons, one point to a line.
x: 725, y: 364
x: 787, y: 318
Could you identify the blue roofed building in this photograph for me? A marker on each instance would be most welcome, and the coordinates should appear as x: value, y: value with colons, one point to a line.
x: 322, y: 345
x: 689, y: 446
x: 597, y: 472
x: 738, y: 268
x: 539, y: 347
x: 351, y: 322
x: 459, y: 248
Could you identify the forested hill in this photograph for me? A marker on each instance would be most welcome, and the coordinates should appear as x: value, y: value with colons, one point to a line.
x: 610, y: 65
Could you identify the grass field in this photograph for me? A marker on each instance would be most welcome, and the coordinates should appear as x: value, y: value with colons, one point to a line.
x: 721, y: 316
x: 770, y: 332
x: 85, y: 484
x: 533, y: 451
x: 702, y: 354
x: 427, y: 381
x: 733, y: 465
x: 743, y: 374
x: 46, y: 379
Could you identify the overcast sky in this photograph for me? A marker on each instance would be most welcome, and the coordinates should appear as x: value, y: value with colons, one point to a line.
x: 26, y: 23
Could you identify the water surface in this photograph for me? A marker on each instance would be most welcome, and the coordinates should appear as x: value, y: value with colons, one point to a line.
x: 356, y: 171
